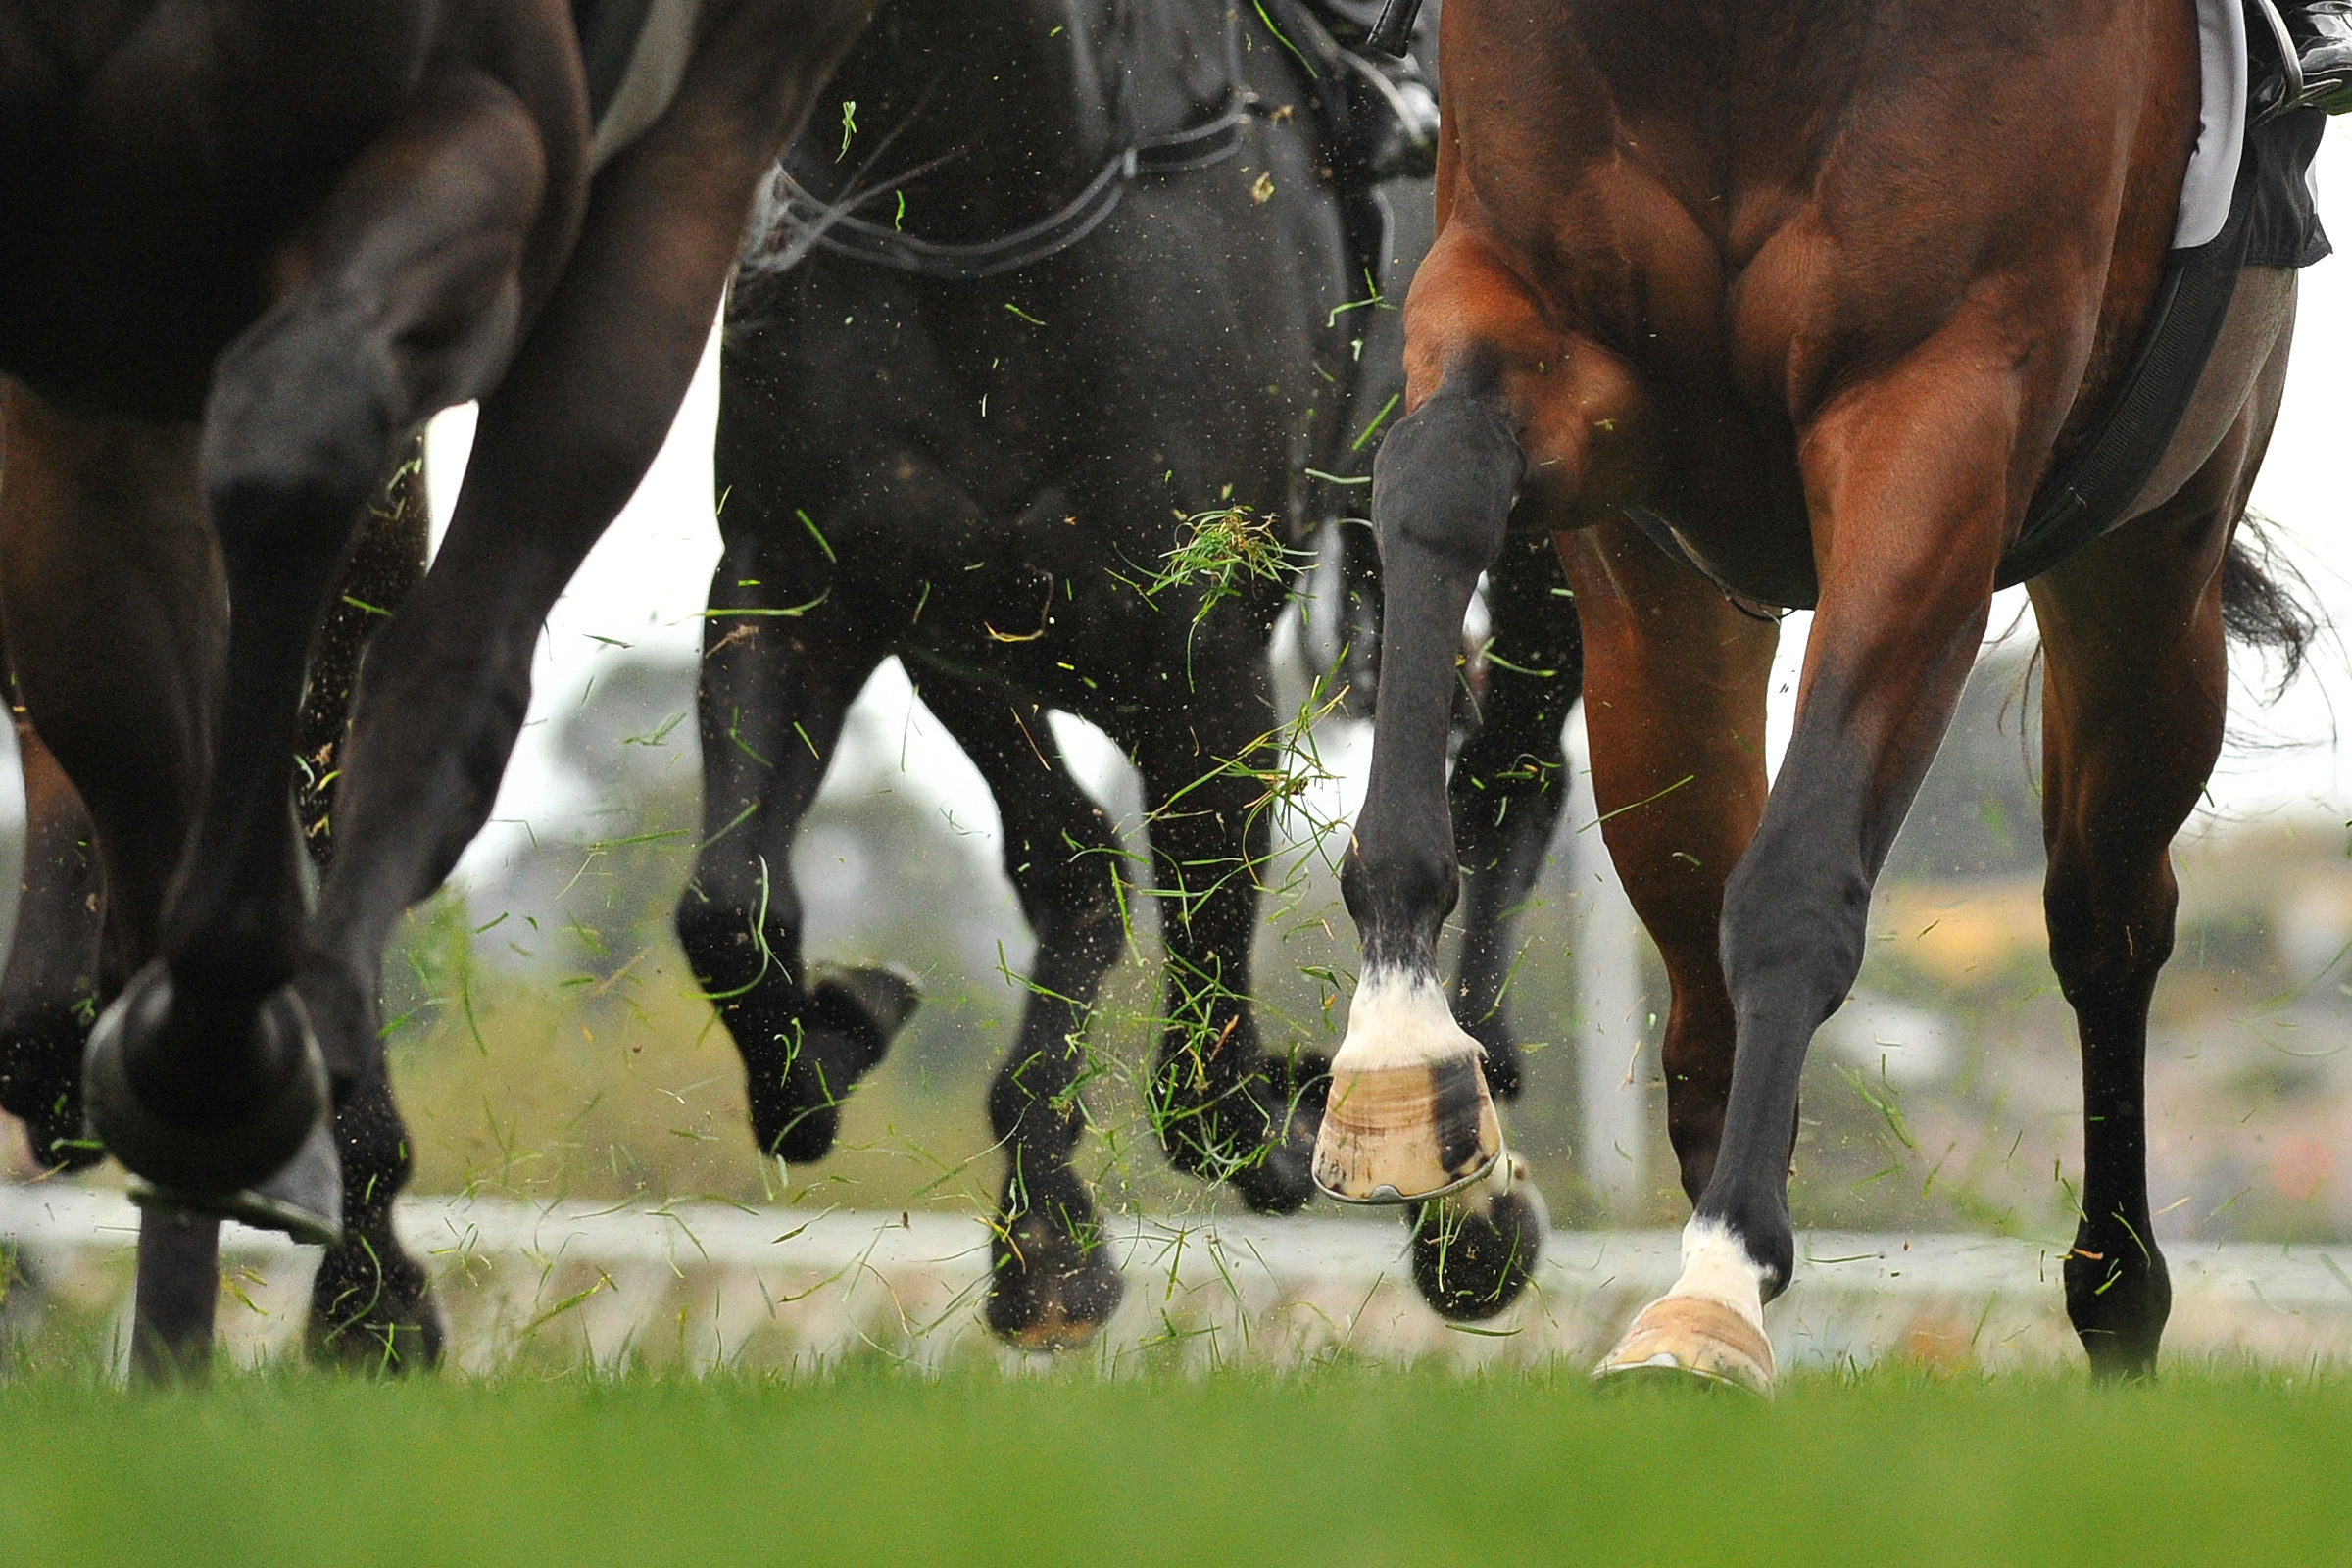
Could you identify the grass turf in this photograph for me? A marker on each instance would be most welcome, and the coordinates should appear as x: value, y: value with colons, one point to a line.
x: 1344, y: 1465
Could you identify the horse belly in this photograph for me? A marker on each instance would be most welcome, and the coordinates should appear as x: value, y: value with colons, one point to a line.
x: 2260, y: 317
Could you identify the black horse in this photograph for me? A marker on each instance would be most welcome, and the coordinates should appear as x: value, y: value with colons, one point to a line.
x: 1068, y: 292
x: 246, y: 247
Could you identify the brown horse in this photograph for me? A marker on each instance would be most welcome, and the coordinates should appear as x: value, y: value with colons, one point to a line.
x: 1827, y: 287
x: 246, y: 246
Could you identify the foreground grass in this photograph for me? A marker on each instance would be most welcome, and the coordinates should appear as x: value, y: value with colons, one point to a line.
x: 1353, y: 1466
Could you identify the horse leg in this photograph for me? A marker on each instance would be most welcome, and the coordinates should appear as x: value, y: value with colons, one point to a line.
x: 1473, y: 1253
x: 1053, y: 1283
x: 1909, y: 479
x: 111, y: 588
x: 206, y: 1076
x: 1223, y: 1110
x: 1410, y: 1115
x: 2134, y: 689
x: 179, y: 1287
x: 562, y: 441
x: 774, y: 696
x: 1507, y: 791
x: 371, y: 1305
x: 1675, y: 680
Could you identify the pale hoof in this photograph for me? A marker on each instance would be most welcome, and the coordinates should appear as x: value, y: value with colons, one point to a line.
x: 1406, y: 1134
x: 1686, y: 1338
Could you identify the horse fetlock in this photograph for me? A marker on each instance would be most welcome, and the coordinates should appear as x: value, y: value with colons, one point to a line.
x: 1475, y: 1253
x: 1408, y: 1115
x: 206, y: 1105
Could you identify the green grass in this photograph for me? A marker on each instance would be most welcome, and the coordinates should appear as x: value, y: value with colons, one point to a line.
x: 1341, y: 1465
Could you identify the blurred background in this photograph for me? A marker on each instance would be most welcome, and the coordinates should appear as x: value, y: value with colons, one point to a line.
x: 549, y: 1042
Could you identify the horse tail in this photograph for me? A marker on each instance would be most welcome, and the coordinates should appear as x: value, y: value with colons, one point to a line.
x: 2267, y: 602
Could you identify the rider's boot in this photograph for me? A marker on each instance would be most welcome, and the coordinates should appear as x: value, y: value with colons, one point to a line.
x: 1391, y: 129
x: 2321, y: 32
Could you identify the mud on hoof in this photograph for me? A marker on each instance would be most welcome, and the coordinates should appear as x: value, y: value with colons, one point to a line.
x: 1475, y: 1253
x: 40, y: 1085
x: 798, y: 1086
x: 246, y: 1142
x: 372, y: 1310
x: 1692, y: 1341
x: 1054, y: 1285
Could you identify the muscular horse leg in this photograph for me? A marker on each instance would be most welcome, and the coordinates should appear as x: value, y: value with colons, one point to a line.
x: 1910, y: 480
x: 1675, y: 680
x: 111, y: 588
x: 2135, y: 692
x: 1224, y: 1111
x: 1053, y: 1283
x: 206, y: 1076
x: 1409, y: 1115
x: 774, y: 695
x: 566, y: 436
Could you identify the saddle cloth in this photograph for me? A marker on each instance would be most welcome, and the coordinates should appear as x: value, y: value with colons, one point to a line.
x: 635, y: 54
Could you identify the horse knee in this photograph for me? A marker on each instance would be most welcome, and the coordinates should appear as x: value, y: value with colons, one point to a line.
x: 1444, y: 482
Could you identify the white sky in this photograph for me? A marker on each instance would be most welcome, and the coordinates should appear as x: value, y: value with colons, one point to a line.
x: 645, y: 584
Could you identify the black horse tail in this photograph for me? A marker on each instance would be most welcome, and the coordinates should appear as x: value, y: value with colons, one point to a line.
x: 2267, y: 602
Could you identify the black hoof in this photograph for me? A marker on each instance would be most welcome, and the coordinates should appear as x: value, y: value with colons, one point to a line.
x: 1281, y: 1179
x: 2118, y: 1296
x: 372, y: 1310
x: 1473, y: 1255
x: 1054, y: 1285
x: 304, y: 1198
x: 797, y: 1093
x: 242, y: 1146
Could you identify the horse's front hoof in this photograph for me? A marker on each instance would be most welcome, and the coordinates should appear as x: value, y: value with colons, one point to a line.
x: 245, y: 1150
x: 303, y: 1199
x: 1693, y: 1341
x: 372, y: 1310
x: 1473, y: 1255
x: 1051, y: 1290
x: 1406, y: 1134
x: 852, y: 1018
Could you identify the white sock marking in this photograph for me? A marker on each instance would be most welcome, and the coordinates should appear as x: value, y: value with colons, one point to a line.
x: 1716, y: 1267
x: 1399, y: 1019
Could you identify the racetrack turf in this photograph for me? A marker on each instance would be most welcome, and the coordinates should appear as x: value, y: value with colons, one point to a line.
x: 1343, y: 1465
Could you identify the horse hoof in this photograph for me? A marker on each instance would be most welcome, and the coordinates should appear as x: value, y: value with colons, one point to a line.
x: 852, y: 1018
x: 245, y: 1152
x: 1406, y: 1134
x: 1691, y: 1340
x: 373, y: 1314
x: 1473, y: 1255
x: 1051, y: 1291
x: 304, y: 1198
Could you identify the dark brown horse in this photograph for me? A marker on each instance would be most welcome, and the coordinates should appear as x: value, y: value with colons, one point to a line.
x: 245, y: 248
x: 1827, y: 287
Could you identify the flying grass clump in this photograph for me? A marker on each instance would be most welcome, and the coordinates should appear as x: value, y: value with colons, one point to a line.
x: 1224, y: 549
